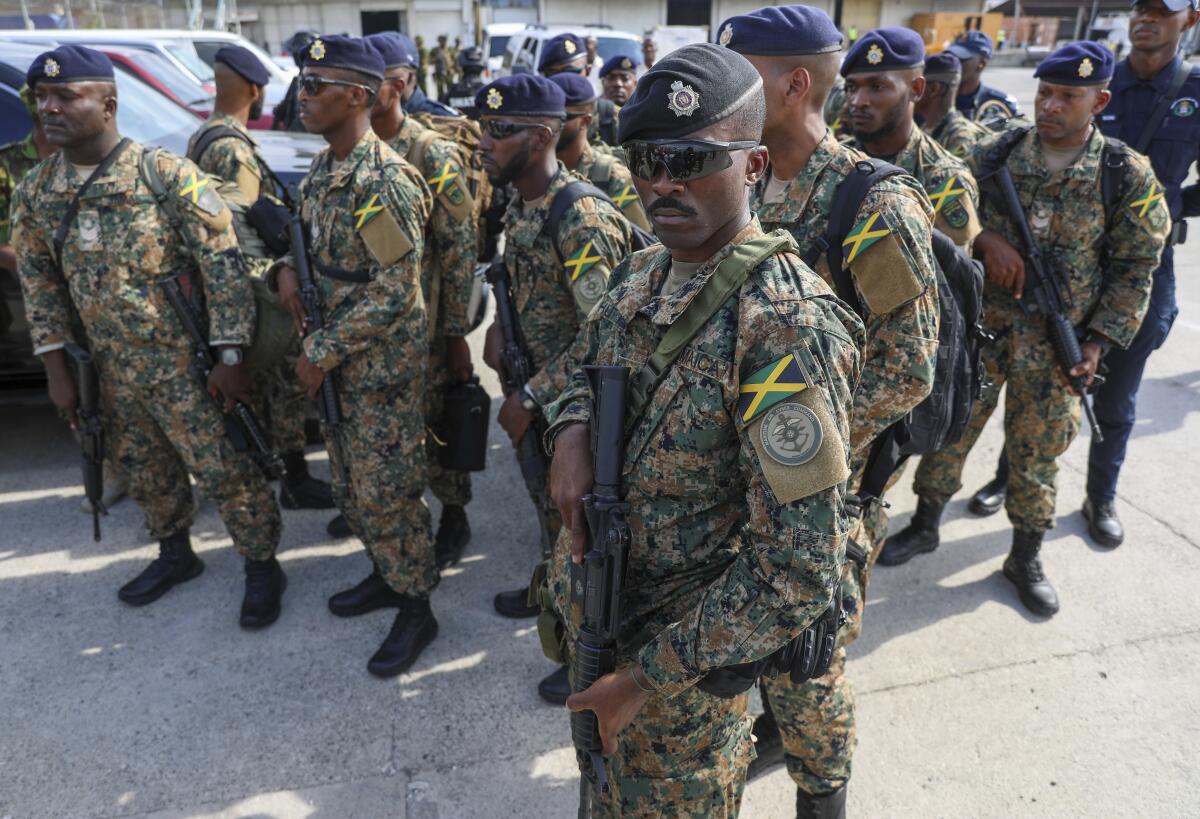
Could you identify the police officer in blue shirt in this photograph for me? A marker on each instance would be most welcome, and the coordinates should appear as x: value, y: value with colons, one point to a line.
x: 981, y: 103
x: 416, y: 102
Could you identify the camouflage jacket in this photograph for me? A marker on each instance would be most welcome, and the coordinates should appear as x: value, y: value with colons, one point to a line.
x: 553, y: 295
x: 607, y: 172
x: 452, y: 233
x: 119, y: 246
x: 891, y: 263
x: 367, y: 215
x: 739, y: 532
x: 948, y: 184
x: 1105, y: 265
x: 16, y: 160
x: 958, y: 135
x: 230, y: 158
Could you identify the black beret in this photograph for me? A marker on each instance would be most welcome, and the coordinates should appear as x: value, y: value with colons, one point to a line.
x: 1080, y: 63
x: 781, y: 31
x: 395, y: 48
x: 577, y: 88
x: 561, y: 49
x: 244, y: 64
x: 522, y: 95
x: 349, y: 53
x: 885, y: 49
x: 944, y: 64
x: 69, y: 63
x: 689, y: 89
x: 619, y: 62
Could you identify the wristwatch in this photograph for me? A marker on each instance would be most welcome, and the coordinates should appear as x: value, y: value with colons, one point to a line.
x: 231, y: 356
x: 527, y: 402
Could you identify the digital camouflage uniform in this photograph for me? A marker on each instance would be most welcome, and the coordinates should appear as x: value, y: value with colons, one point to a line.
x: 733, y: 551
x: 163, y: 426
x: 16, y: 160
x: 368, y: 214
x: 1107, y: 270
x: 894, y: 275
x: 447, y: 268
x: 959, y: 135
x: 233, y: 160
x: 607, y: 172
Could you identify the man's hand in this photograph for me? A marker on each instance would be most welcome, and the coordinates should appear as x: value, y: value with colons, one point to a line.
x: 514, y: 419
x: 310, y: 375
x: 493, y: 349
x: 1088, y: 367
x: 288, y: 283
x: 8, y: 258
x: 234, y: 384
x: 571, y: 477
x: 61, y: 385
x: 1003, y: 263
x: 458, y: 359
x: 616, y: 700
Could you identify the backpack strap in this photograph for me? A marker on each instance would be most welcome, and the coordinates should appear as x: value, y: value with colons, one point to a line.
x: 60, y: 235
x: 1114, y: 162
x: 418, y: 151
x: 725, y: 281
x: 607, y: 127
x: 602, y: 169
x: 567, y: 196
x: 211, y: 135
x: 1182, y: 71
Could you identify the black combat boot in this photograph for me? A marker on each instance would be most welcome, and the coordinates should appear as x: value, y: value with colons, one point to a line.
x: 176, y: 563
x: 265, y: 582
x: 1103, y: 524
x: 918, y: 537
x: 555, y: 687
x: 515, y: 604
x: 824, y: 806
x: 1023, y: 568
x: 768, y: 742
x: 990, y: 497
x: 301, y: 490
x: 369, y: 595
x: 414, y: 628
x: 339, y: 527
x: 453, y: 535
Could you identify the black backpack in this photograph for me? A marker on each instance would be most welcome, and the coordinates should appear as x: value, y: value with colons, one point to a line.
x: 571, y: 193
x: 605, y: 127
x: 942, y: 418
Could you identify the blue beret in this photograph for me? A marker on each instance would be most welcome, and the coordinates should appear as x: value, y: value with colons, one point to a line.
x: 689, y: 89
x: 522, y: 95
x: 395, y: 48
x: 577, y: 88
x: 561, y: 49
x: 69, y: 63
x: 620, y: 62
x: 781, y: 31
x: 244, y: 64
x: 944, y: 63
x: 972, y: 44
x: 1177, y: 5
x: 349, y: 53
x: 885, y: 49
x: 1080, y: 63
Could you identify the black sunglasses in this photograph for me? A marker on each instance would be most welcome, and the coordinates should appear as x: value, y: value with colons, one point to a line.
x: 313, y: 85
x: 500, y: 129
x: 684, y: 160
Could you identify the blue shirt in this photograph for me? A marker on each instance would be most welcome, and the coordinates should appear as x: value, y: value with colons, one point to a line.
x: 418, y: 103
x: 987, y: 106
x: 1175, y: 144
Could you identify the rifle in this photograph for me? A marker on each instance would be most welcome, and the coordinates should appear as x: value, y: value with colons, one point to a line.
x: 597, y: 582
x: 91, y: 432
x: 518, y: 367
x: 329, y: 405
x: 241, y: 425
x: 1047, y: 300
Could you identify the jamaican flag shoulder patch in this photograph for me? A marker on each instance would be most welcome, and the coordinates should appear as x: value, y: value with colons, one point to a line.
x: 626, y: 197
x: 770, y: 385
x: 1141, y: 206
x: 865, y: 233
x: 582, y: 261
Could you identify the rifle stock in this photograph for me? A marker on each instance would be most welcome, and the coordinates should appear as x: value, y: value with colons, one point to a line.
x: 91, y: 432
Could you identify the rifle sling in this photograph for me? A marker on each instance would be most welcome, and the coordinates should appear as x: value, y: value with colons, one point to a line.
x: 60, y: 235
x: 1164, y: 103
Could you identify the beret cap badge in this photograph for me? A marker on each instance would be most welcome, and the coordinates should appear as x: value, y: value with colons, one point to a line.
x: 875, y: 55
x: 494, y: 99
x: 317, y: 50
x: 683, y: 99
x: 726, y: 34
x: 626, y: 64
x: 1086, y: 69
x: 52, y: 68
x: 569, y: 47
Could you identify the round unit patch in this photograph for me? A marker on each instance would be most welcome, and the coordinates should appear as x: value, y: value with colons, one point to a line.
x: 592, y: 286
x: 791, y: 434
x: 1184, y: 107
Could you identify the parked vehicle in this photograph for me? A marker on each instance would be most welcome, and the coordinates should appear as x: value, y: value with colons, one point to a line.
x: 496, y: 37
x: 524, y: 48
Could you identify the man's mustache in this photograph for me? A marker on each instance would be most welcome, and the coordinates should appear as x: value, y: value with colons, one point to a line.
x: 669, y: 202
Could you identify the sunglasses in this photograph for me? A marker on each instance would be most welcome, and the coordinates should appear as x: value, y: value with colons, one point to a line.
x: 312, y: 85
x: 499, y: 129
x: 684, y: 160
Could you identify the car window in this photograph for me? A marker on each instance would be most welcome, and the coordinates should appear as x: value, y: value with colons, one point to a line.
x: 187, y: 89
x: 185, y: 52
x: 146, y: 116
x: 497, y: 46
x: 15, y: 123
x: 607, y: 47
x: 528, y: 52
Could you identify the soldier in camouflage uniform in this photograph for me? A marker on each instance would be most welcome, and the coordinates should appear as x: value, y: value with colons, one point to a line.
x: 596, y: 164
x: 1103, y: 260
x: 936, y: 112
x: 738, y: 541
x: 121, y: 242
x: 366, y: 210
x: 232, y: 155
x: 446, y: 275
x: 798, y: 47
x: 556, y: 280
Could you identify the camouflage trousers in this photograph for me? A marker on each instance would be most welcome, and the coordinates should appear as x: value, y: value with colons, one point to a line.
x: 286, y: 405
x: 383, y: 439
x: 450, y: 486
x: 1041, y: 418
x: 164, y: 431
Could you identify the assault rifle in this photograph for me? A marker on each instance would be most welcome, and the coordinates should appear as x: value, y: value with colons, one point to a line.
x: 91, y: 432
